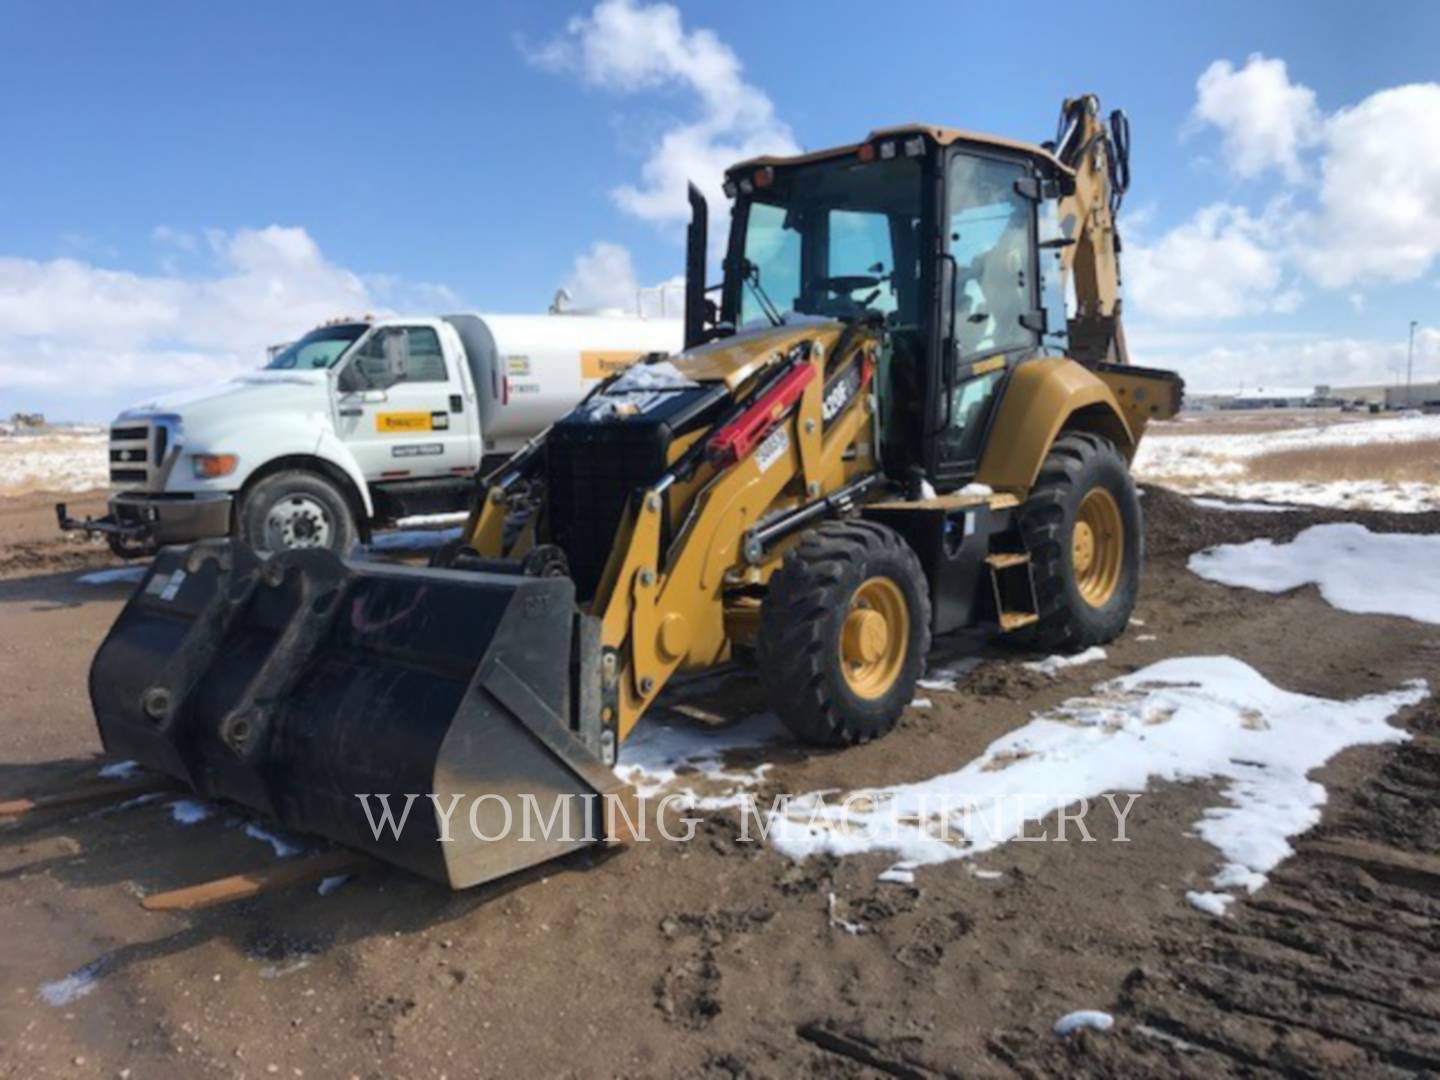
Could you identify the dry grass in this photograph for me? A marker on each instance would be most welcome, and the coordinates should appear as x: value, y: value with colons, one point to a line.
x: 1394, y: 463
x: 1256, y: 421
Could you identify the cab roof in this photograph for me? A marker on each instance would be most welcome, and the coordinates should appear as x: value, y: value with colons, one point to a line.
x: 941, y: 136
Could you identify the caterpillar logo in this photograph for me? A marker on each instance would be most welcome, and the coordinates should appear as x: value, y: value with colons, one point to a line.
x: 599, y: 364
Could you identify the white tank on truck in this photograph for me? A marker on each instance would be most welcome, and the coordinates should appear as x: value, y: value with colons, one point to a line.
x: 356, y: 424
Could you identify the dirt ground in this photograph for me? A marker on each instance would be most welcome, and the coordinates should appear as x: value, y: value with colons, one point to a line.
x: 722, y: 959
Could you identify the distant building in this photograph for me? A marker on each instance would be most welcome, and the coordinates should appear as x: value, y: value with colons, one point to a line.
x: 1420, y: 395
x: 1415, y: 396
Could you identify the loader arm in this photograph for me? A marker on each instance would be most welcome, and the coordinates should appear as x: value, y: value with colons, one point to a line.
x: 662, y: 609
x: 1099, y: 156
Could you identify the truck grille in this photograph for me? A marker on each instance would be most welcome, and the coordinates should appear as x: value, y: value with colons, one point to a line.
x: 130, y: 457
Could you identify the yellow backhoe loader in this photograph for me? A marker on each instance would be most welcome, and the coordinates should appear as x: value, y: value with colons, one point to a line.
x: 909, y: 410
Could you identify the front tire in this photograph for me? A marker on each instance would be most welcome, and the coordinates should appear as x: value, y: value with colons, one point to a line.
x: 1085, y: 533
x: 296, y: 509
x: 844, y: 632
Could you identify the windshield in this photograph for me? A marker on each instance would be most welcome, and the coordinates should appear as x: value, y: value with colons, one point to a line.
x: 317, y: 349
x: 834, y: 239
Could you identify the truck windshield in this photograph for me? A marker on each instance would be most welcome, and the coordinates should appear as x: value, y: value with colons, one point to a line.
x: 832, y: 239
x: 317, y: 349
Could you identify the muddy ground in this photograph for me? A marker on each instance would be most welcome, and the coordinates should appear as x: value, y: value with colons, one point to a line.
x: 722, y: 959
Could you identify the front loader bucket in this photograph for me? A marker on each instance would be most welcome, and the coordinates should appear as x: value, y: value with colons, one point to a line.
x: 308, y: 689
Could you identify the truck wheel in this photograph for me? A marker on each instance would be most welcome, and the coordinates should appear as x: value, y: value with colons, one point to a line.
x: 296, y: 509
x: 844, y: 631
x: 1083, y: 528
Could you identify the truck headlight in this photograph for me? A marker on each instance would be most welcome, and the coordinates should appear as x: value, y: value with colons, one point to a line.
x: 212, y: 466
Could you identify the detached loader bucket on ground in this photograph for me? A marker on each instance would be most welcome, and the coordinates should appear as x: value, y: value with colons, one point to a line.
x: 296, y: 685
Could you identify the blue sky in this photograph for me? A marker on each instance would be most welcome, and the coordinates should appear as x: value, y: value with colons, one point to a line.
x: 187, y: 182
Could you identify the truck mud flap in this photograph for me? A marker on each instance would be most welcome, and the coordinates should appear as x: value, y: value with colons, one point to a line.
x: 423, y: 716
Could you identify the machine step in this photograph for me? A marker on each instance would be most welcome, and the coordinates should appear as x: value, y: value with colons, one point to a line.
x: 1003, y: 560
x: 1014, y: 588
x: 1014, y: 620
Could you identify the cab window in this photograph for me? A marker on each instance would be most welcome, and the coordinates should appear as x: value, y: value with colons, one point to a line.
x: 861, y: 248
x: 427, y: 361
x: 990, y: 238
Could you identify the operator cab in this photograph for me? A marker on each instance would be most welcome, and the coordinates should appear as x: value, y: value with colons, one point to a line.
x: 947, y: 241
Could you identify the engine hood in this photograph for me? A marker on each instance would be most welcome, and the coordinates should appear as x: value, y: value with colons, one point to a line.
x: 734, y: 359
x: 252, y: 393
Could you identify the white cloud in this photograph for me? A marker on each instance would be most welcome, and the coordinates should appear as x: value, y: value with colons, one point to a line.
x: 1218, y: 265
x: 1212, y: 361
x: 604, y: 277
x: 630, y: 48
x: 1379, y: 216
x: 71, y: 326
x: 1362, y: 203
x: 1265, y: 119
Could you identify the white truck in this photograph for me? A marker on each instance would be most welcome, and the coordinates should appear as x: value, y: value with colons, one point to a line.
x: 355, y: 425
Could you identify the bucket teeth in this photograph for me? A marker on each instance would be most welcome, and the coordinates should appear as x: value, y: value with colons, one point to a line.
x: 316, y: 692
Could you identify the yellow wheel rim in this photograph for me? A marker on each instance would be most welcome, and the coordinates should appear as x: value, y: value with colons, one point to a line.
x: 1097, y: 547
x: 874, y: 637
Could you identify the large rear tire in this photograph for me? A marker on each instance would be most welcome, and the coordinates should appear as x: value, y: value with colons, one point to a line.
x: 844, y: 631
x: 1085, y: 533
x: 296, y: 509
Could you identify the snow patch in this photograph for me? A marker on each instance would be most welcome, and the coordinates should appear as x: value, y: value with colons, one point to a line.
x: 637, y: 388
x: 72, y: 987
x: 53, y: 462
x: 944, y: 668
x: 1093, y: 1019
x: 420, y: 521
x: 838, y: 923
x: 1219, y: 464
x: 1211, y: 903
x: 189, y: 812
x: 921, y: 703
x: 107, y: 577
x: 284, y: 847
x: 1053, y: 665
x: 1186, y: 718
x: 276, y: 971
x: 1251, y: 507
x: 128, y: 804
x: 687, y: 760
x: 1341, y: 559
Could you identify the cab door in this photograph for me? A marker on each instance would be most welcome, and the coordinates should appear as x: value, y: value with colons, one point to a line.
x: 990, y: 314
x: 418, y: 426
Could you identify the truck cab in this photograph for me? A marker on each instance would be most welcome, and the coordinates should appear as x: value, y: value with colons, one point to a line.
x: 355, y: 425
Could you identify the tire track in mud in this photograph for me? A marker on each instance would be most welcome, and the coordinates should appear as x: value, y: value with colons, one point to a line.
x: 1330, y: 968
